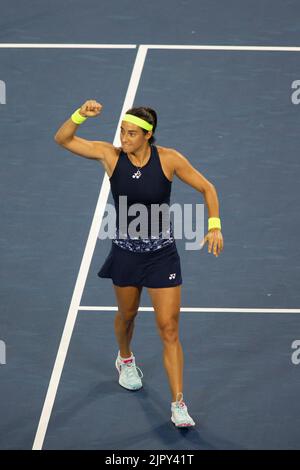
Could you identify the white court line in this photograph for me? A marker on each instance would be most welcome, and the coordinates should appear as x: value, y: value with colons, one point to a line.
x: 85, y: 264
x: 67, y: 46
x: 225, y: 48
x: 203, y: 309
x: 154, y: 46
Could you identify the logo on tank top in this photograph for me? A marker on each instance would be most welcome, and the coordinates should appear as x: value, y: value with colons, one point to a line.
x: 138, y: 174
x: 172, y: 276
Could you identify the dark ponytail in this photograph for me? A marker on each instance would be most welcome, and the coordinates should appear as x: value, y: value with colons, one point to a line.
x: 149, y: 115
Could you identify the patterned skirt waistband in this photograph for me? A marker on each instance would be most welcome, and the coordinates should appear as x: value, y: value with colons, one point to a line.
x: 141, y: 245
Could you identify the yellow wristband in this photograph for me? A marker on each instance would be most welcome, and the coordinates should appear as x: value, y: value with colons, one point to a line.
x: 77, y: 118
x: 214, y: 222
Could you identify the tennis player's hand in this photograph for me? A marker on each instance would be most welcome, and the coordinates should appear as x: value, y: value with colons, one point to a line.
x: 215, y: 242
x: 90, y: 108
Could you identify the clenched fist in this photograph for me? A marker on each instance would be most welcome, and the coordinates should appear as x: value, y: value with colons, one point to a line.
x: 90, y: 108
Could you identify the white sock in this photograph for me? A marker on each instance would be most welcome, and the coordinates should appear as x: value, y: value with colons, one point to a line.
x: 125, y: 358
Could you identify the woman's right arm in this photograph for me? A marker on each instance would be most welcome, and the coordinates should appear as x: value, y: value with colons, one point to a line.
x: 65, y: 136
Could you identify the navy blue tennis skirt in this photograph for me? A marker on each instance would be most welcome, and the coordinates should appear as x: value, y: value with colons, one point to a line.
x: 159, y: 268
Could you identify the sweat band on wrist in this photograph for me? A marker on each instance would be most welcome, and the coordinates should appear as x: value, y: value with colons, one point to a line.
x: 214, y: 222
x: 138, y: 122
x: 77, y: 118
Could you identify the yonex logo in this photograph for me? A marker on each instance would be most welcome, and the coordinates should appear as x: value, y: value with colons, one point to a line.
x: 137, y: 174
x: 172, y: 276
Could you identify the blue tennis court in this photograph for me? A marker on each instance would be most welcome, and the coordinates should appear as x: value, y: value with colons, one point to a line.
x: 221, y: 80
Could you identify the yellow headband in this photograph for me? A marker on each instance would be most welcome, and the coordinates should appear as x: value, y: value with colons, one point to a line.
x: 138, y: 122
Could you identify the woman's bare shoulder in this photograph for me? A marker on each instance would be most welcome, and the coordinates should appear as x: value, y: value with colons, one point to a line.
x: 114, y: 150
x: 111, y: 152
x: 168, y: 160
x: 168, y: 154
x: 117, y: 150
x: 165, y: 151
x: 110, y: 160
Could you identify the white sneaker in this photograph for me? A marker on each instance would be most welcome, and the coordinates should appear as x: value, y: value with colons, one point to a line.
x: 129, y: 373
x: 180, y: 416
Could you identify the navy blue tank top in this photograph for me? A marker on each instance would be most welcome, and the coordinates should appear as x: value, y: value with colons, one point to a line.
x: 150, y: 187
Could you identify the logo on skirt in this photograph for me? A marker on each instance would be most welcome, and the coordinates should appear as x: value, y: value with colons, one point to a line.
x: 172, y: 276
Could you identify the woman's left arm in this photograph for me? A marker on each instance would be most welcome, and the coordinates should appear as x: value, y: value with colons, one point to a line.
x: 189, y: 175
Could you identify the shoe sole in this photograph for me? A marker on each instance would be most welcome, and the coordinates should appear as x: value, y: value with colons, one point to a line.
x: 131, y: 389
x: 182, y: 425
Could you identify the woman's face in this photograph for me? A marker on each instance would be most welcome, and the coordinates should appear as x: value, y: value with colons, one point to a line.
x: 132, y: 137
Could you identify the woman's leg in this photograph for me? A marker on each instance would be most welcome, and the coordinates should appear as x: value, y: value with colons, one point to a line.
x: 166, y: 303
x: 128, y: 299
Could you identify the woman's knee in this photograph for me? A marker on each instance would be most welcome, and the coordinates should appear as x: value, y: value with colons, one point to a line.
x: 128, y: 299
x: 169, y: 331
x: 128, y: 315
